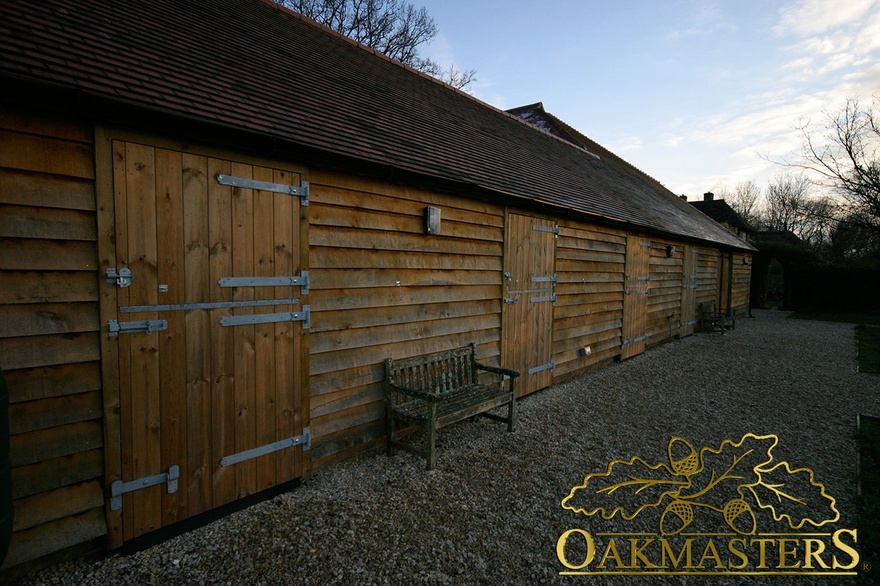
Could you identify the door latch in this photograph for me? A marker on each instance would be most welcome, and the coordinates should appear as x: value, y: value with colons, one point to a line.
x: 121, y: 278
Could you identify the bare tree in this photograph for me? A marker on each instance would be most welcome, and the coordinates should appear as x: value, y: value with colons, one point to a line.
x: 848, y: 160
x: 743, y: 199
x: 848, y: 243
x: 393, y: 27
x: 791, y: 208
x: 457, y: 78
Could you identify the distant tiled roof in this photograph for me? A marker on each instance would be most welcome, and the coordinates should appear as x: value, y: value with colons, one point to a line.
x: 721, y: 212
x: 252, y: 66
x: 536, y: 115
x: 785, y: 236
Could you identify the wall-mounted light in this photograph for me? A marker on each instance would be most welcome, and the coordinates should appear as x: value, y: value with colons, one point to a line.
x: 747, y: 260
x: 670, y: 251
x: 432, y: 220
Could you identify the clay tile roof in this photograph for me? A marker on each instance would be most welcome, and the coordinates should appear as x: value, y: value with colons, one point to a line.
x: 720, y: 211
x: 254, y: 67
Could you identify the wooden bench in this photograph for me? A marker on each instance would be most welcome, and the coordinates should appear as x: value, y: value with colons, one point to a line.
x: 440, y: 389
x: 713, y: 320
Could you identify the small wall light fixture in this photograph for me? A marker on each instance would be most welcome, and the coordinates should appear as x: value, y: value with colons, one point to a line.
x: 670, y: 251
x: 747, y: 260
x: 432, y: 220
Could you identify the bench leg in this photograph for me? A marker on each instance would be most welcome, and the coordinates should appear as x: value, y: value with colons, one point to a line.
x: 511, y: 414
x: 389, y: 427
x: 432, y: 444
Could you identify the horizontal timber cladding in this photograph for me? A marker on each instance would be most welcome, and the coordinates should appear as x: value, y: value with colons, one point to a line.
x: 664, y: 298
x: 742, y: 283
x: 589, y: 306
x: 708, y: 277
x: 380, y: 286
x: 49, y: 331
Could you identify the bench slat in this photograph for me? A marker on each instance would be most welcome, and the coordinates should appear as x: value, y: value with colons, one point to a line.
x: 452, y: 378
x: 458, y: 405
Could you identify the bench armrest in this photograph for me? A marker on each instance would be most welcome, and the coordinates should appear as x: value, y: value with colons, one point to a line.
x: 425, y: 395
x: 507, y: 371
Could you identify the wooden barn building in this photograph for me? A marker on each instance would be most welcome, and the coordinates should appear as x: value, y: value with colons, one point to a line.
x: 218, y: 218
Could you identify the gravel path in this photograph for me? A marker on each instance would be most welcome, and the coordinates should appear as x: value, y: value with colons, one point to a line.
x: 490, y: 513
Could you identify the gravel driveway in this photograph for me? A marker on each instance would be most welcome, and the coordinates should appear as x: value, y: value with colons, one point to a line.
x: 490, y: 513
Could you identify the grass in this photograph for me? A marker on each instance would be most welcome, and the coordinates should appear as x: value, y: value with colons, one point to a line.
x: 868, y: 341
x: 869, y: 481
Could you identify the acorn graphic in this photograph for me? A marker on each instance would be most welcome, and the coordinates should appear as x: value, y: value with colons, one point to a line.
x: 676, y: 516
x: 689, y: 463
x: 738, y: 514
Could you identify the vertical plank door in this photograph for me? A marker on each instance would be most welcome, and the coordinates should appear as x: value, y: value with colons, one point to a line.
x: 637, y: 286
x: 689, y: 291
x: 212, y: 375
x: 529, y: 294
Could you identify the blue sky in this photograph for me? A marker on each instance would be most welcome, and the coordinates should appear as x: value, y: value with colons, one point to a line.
x: 691, y: 92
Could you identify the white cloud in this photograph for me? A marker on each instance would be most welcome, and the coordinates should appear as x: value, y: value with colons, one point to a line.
x: 811, y: 17
x: 800, y: 63
x: 439, y: 50
x: 628, y: 144
x: 707, y: 21
x: 831, y: 36
x: 868, y: 38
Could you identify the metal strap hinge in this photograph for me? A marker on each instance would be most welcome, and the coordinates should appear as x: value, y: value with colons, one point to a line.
x: 118, y: 488
x: 551, y: 298
x: 511, y: 300
x: 121, y: 278
x: 207, y: 305
x: 551, y: 229
x: 305, y: 440
x: 648, y: 244
x: 301, y: 191
x: 136, y: 327
x: 549, y: 366
x: 551, y: 279
x: 301, y: 280
x: 268, y: 318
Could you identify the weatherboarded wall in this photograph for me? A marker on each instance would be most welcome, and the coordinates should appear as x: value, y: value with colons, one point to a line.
x: 589, y: 307
x: 665, y: 299
x: 382, y: 287
x: 49, y: 331
x: 708, y: 275
x: 741, y: 283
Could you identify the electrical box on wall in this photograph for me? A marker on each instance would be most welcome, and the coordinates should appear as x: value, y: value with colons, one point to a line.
x: 585, y: 351
x: 432, y: 220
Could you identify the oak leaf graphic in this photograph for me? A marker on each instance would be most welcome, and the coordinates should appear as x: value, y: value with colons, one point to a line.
x: 723, y: 471
x: 729, y: 479
x: 791, y: 495
x: 626, y: 487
